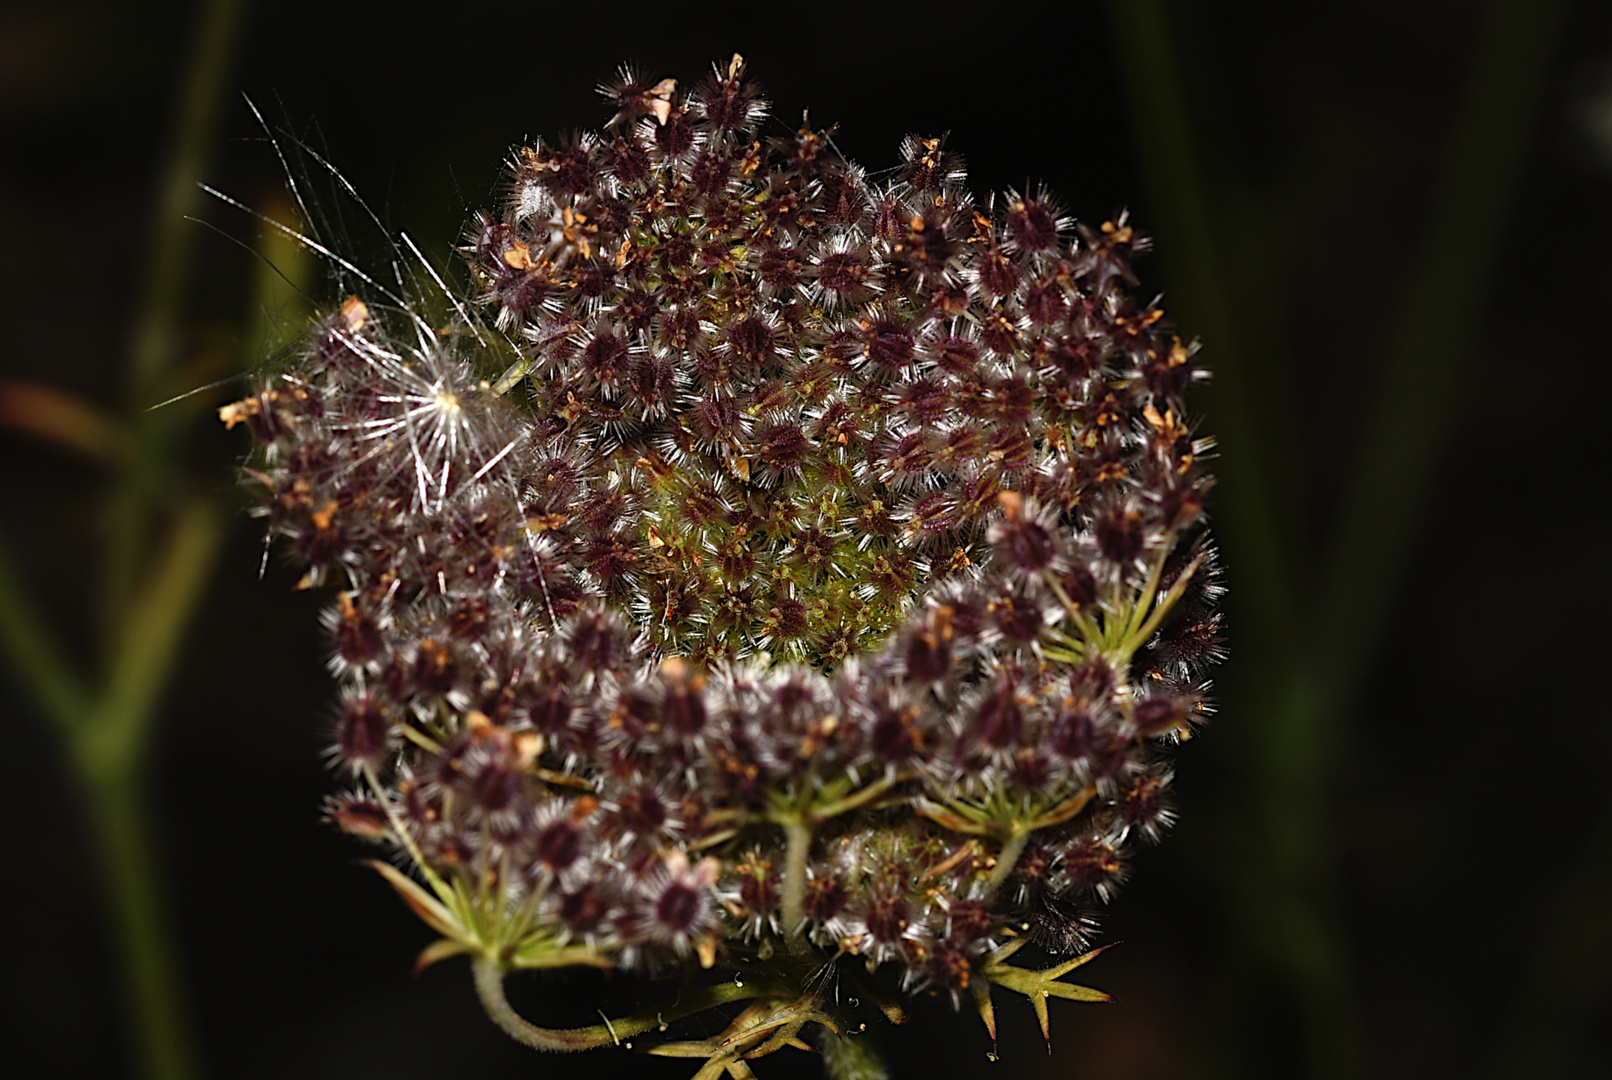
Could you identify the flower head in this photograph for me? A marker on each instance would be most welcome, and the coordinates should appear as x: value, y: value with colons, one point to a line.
x: 762, y: 561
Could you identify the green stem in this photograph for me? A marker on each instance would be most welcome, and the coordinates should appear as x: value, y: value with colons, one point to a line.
x: 119, y: 724
x: 1383, y: 507
x: 1144, y: 599
x: 792, y: 905
x: 850, y: 1057
x: 1007, y: 859
x: 164, y: 282
x: 857, y: 799
x: 163, y: 1042
x: 489, y: 978
x: 109, y: 749
x: 33, y: 653
x: 150, y: 597
x: 198, y: 104
x: 1088, y: 632
x: 1146, y: 627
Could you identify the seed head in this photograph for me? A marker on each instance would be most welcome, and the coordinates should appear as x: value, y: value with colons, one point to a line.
x: 761, y: 561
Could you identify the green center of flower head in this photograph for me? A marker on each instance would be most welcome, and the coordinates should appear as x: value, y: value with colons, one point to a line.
x: 822, y: 580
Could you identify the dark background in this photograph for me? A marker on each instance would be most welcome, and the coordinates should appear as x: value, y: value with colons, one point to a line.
x: 1451, y: 818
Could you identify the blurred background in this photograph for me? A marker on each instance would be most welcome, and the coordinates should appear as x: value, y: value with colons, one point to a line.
x: 1389, y: 222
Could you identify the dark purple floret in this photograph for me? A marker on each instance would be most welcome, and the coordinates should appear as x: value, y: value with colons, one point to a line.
x: 1032, y: 225
x: 641, y: 811
x: 583, y: 910
x: 1119, y: 535
x: 494, y: 786
x: 363, y: 733
x: 888, y: 919
x: 999, y: 718
x: 1026, y: 543
x: 558, y: 845
x: 679, y: 908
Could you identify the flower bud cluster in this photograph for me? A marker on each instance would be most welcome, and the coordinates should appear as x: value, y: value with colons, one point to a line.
x: 828, y: 573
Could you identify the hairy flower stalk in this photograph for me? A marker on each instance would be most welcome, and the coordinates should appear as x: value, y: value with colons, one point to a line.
x: 762, y: 567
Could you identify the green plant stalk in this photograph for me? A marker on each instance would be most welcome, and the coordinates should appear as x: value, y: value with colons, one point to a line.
x: 144, y: 628
x: 1305, y: 694
x: 851, y: 1057
x: 1007, y: 858
x: 115, y: 732
x: 148, y: 978
x: 1383, y: 506
x: 151, y: 595
x: 107, y: 735
x: 489, y: 978
x: 110, y: 751
x: 134, y: 504
x: 34, y: 654
x: 792, y: 905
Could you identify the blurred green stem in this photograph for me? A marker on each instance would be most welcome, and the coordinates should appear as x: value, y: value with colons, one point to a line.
x: 1421, y: 388
x: 111, y: 736
x: 850, y: 1057
x: 34, y: 653
x: 1197, y: 277
x: 149, y: 981
x: 1307, y: 673
x: 107, y: 734
x: 159, y: 556
x: 137, y: 497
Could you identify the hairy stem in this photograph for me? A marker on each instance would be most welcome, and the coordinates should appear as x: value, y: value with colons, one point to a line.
x: 489, y: 977
x: 798, y: 838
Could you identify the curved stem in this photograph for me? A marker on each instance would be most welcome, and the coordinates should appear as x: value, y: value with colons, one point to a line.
x: 489, y: 976
x: 490, y: 988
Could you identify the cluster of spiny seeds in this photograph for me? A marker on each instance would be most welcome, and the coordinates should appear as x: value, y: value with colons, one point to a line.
x: 826, y: 578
